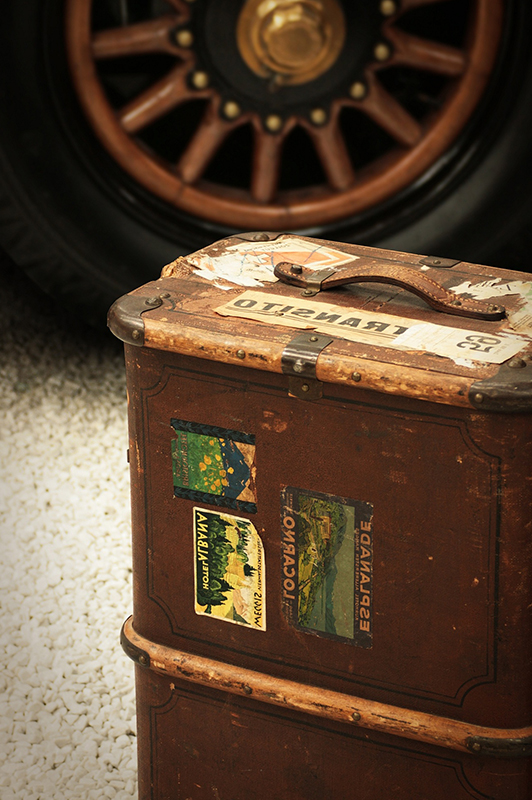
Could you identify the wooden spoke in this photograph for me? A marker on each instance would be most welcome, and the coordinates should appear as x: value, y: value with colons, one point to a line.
x: 424, y: 54
x: 206, y: 141
x: 266, y: 165
x: 159, y: 99
x: 152, y: 36
x: 332, y: 152
x: 390, y: 115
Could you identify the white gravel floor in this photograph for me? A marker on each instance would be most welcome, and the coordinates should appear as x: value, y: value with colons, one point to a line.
x: 67, y: 696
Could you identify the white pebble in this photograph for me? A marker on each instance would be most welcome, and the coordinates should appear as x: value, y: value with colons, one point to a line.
x: 65, y: 577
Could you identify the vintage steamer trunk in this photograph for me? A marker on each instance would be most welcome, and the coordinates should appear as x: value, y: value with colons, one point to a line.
x: 332, y: 499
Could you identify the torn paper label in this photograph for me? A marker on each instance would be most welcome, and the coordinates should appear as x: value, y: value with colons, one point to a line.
x: 486, y: 290
x: 459, y: 344
x: 252, y: 263
x: 357, y: 326
x: 520, y: 319
x: 383, y: 330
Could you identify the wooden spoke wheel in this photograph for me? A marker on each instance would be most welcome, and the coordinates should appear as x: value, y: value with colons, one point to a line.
x: 286, y: 119
x: 135, y: 131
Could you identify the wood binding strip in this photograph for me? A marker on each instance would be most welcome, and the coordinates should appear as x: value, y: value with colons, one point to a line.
x: 325, y: 703
x: 395, y: 379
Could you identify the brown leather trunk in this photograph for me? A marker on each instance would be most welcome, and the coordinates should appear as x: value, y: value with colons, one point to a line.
x: 331, y: 524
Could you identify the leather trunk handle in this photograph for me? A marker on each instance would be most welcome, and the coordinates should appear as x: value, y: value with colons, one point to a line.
x: 376, y: 271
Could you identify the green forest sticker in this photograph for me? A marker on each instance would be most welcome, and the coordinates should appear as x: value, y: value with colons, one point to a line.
x: 327, y: 565
x: 230, y: 569
x: 214, y: 465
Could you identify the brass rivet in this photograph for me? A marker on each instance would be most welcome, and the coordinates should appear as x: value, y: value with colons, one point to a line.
x: 184, y: 37
x: 388, y: 7
x: 240, y: 354
x: 318, y: 116
x: 231, y: 109
x: 356, y: 376
x: 200, y: 80
x: 273, y: 122
x: 305, y: 387
x: 299, y: 366
x: 152, y: 301
x: 313, y: 339
x: 260, y: 237
x: 164, y: 295
x: 436, y: 262
x: 144, y: 660
x: 479, y: 398
x: 135, y: 334
x: 355, y: 716
x: 476, y: 747
x: 358, y: 90
x: 297, y: 268
x: 248, y: 689
x: 308, y: 292
x: 382, y: 51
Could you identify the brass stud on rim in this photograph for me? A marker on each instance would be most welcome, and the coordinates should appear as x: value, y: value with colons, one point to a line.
x: 199, y: 80
x: 318, y: 116
x: 358, y: 90
x: 388, y: 8
x: 382, y: 51
x: 184, y: 38
x: 231, y: 109
x: 273, y: 123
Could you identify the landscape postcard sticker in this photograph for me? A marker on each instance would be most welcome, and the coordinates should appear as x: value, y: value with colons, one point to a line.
x: 214, y: 465
x: 230, y: 569
x: 327, y: 565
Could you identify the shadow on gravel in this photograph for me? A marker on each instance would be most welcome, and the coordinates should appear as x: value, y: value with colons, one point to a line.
x: 29, y: 315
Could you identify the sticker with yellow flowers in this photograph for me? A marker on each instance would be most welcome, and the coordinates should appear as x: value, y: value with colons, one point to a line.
x: 214, y: 465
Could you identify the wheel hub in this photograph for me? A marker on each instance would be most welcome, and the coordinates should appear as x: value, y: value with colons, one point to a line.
x: 294, y: 42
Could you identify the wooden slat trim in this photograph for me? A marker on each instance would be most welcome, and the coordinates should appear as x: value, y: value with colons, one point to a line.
x: 331, y: 705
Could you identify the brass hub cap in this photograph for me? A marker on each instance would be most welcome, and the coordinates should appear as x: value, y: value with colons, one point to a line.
x: 292, y: 42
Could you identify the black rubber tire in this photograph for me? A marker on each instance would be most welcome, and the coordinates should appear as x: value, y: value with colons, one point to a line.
x: 86, y: 233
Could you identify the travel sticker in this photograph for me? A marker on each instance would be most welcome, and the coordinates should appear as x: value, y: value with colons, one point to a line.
x: 230, y: 569
x: 252, y: 263
x: 327, y: 565
x: 214, y: 465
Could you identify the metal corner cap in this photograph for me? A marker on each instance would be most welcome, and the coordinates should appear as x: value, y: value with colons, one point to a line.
x: 508, y: 392
x: 258, y: 236
x: 125, y: 322
x: 124, y: 318
x: 134, y: 652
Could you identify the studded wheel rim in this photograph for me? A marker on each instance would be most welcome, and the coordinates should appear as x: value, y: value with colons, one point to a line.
x: 190, y: 75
